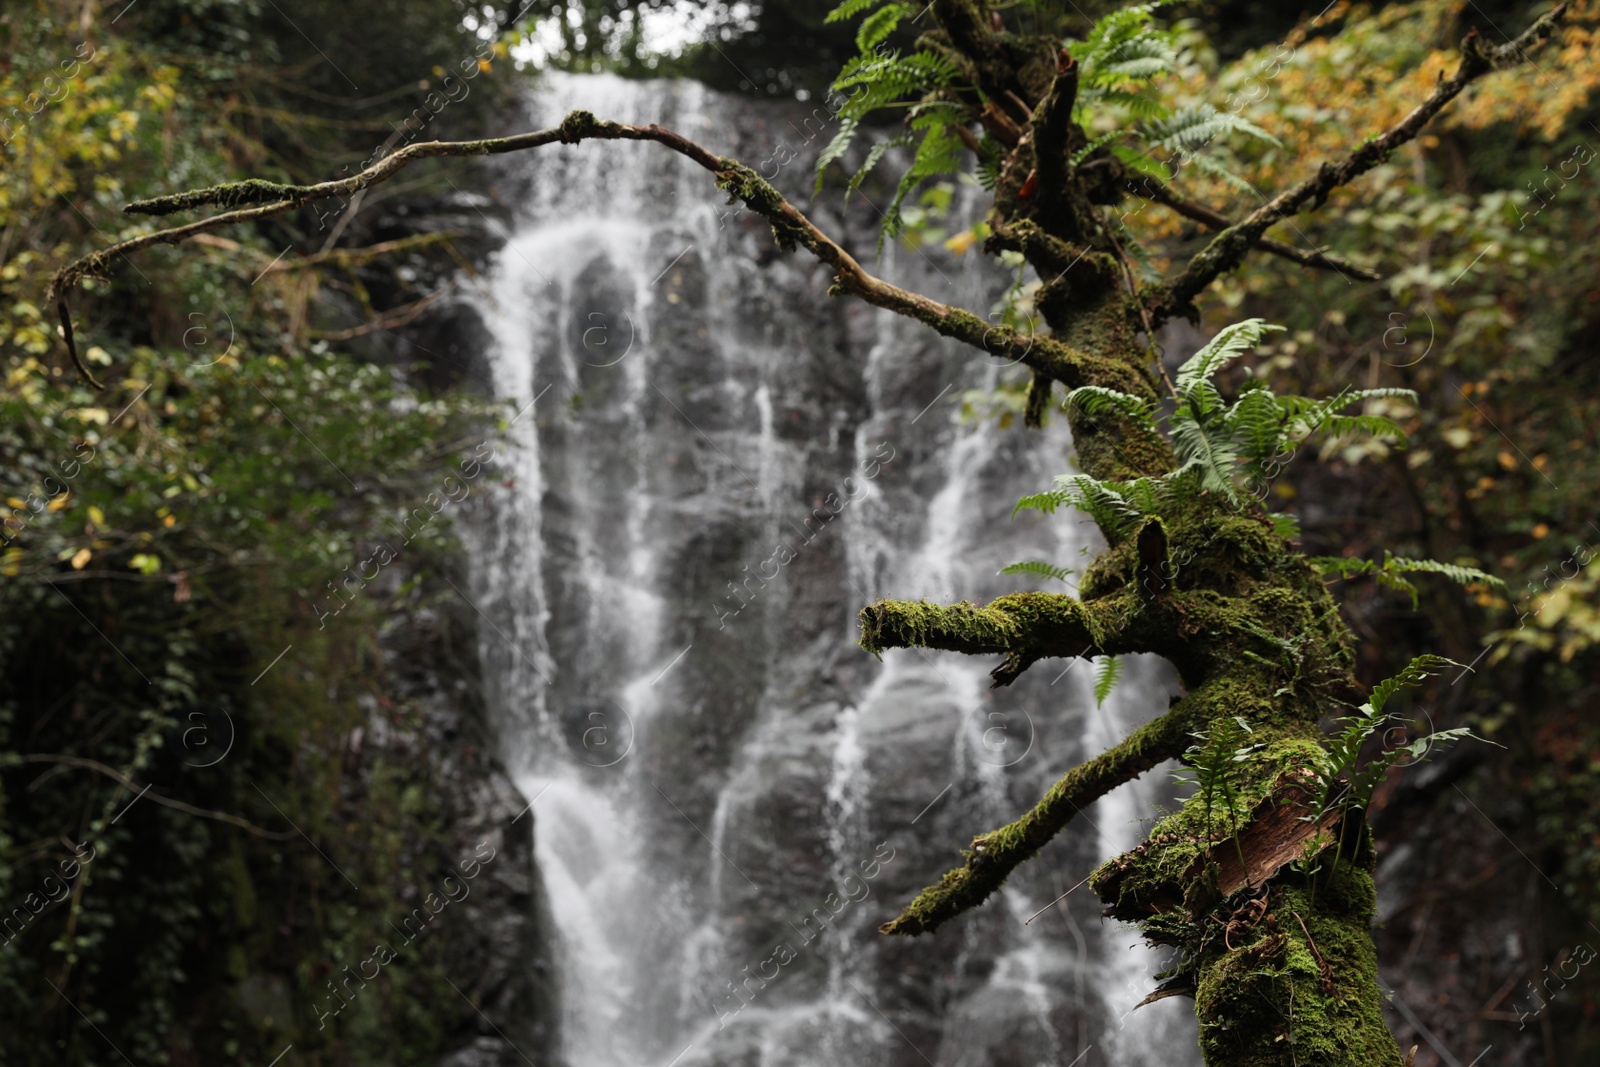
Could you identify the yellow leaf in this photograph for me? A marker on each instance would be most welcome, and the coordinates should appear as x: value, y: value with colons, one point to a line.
x: 60, y: 502
x: 16, y: 502
x: 80, y: 558
x: 169, y: 520
x: 962, y: 242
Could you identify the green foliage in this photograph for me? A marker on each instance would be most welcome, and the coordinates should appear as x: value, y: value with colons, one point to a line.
x: 1214, y: 767
x: 1038, y: 568
x: 1116, y: 507
x: 167, y: 540
x: 195, y: 540
x: 1388, y: 573
x: 1108, y: 671
x: 1340, y: 781
x: 1122, y: 62
x: 1216, y: 441
x: 881, y: 78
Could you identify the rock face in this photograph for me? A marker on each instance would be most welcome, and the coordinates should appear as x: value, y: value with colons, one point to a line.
x: 488, y: 940
x: 710, y: 466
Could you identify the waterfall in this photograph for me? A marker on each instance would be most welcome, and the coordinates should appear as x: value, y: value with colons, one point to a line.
x: 711, y: 466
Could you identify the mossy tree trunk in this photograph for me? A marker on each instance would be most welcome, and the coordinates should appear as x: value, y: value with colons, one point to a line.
x: 1271, y: 907
x: 1280, y: 963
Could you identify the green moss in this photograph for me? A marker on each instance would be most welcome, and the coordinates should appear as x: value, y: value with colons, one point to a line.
x: 1298, y: 987
x: 225, y: 195
x: 758, y: 194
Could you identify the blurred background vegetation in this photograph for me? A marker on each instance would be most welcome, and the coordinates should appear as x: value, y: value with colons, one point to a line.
x: 268, y: 418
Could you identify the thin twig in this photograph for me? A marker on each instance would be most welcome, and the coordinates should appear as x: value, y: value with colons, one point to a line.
x: 1165, y: 195
x: 129, y: 783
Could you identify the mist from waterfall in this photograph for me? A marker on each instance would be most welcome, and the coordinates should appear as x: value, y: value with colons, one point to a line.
x: 712, y: 465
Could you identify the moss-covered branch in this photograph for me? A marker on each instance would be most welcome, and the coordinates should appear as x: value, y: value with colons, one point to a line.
x: 994, y: 855
x: 1026, y: 627
x: 1228, y: 249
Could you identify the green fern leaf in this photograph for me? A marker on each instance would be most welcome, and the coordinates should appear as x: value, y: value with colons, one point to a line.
x: 1108, y: 671
x: 1038, y: 568
x: 1097, y: 400
x: 877, y: 27
x: 850, y: 9
x: 1046, y: 502
x: 1092, y: 147
x: 1229, y: 343
x: 1415, y: 673
x: 836, y: 148
x: 874, y: 155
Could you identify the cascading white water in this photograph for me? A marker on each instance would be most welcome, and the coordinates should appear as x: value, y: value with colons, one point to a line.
x: 714, y: 466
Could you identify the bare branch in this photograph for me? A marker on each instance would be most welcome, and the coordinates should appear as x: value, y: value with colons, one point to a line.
x: 1161, y: 193
x: 1227, y: 250
x: 129, y: 783
x: 790, y: 228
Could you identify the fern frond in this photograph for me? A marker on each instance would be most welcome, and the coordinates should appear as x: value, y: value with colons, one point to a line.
x: 940, y: 152
x: 1038, y: 568
x: 1308, y: 416
x: 836, y: 148
x: 1211, y: 456
x: 1046, y: 501
x: 1097, y: 400
x: 1214, y: 168
x: 1344, y: 748
x: 1093, y: 146
x: 1454, y: 571
x: 1139, y: 104
x: 850, y: 9
x: 1103, y: 502
x: 1192, y: 128
x: 877, y: 27
x: 1256, y: 421
x: 1229, y: 343
x: 1415, y: 673
x: 874, y: 155
x: 1342, y: 567
x: 1371, y: 425
x: 1108, y: 671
